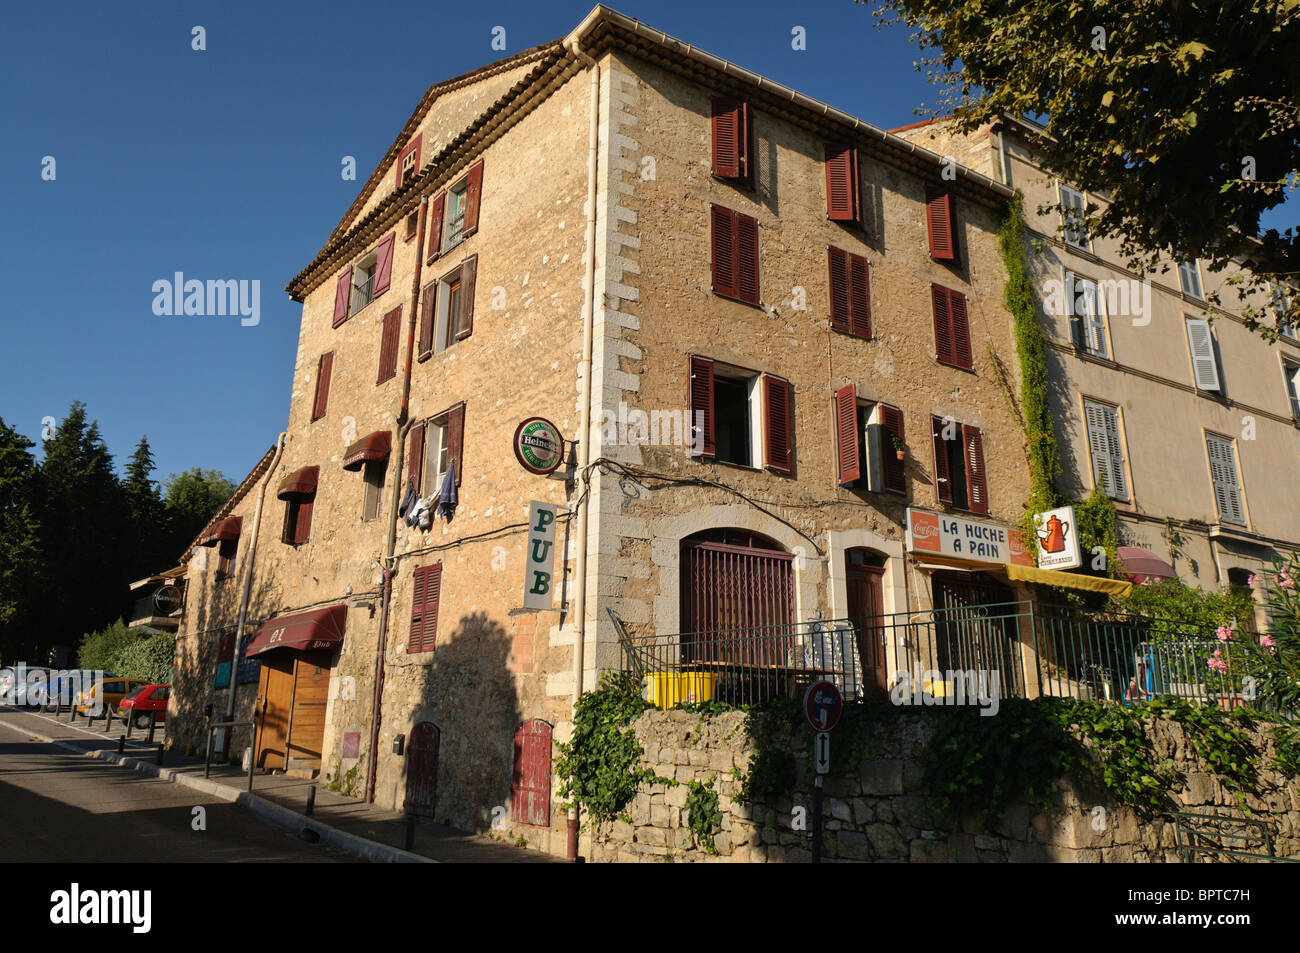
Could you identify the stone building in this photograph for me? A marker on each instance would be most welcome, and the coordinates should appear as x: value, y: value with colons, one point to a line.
x: 773, y: 337
x: 1164, y: 400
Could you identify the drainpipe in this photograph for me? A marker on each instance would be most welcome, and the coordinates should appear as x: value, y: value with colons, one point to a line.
x: 247, y: 587
x: 399, y: 487
x: 584, y: 425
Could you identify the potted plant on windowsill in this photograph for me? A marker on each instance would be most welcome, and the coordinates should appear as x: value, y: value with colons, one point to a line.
x: 900, y: 448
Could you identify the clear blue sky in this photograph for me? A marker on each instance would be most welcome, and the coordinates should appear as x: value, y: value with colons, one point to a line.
x: 225, y: 164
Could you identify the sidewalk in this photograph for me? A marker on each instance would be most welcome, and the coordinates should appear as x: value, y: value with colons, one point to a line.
x: 337, y: 821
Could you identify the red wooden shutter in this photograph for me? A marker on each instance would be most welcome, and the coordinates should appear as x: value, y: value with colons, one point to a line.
x: 323, y: 370
x: 746, y: 259
x: 288, y: 531
x: 428, y: 315
x: 842, y: 183
x: 724, y: 251
x: 426, y: 589
x: 847, y: 450
x: 530, y: 783
x: 726, y: 138
x: 415, y: 457
x: 976, y: 489
x: 938, y: 215
x: 303, y: 529
x: 839, y: 271
x: 942, y: 323
x: 342, y: 296
x: 472, y: 195
x: 384, y: 264
x: 702, y: 406
x: 960, y: 330
x: 456, y: 441
x: 388, y: 345
x: 778, y: 424
x: 891, y: 419
x: 465, y: 313
x: 859, y: 297
x: 942, y: 478
x: 434, y: 236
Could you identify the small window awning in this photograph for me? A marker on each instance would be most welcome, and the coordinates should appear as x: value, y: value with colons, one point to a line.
x: 371, y: 447
x: 299, y: 481
x: 222, y: 531
x: 1069, y: 580
x: 304, y: 632
x: 1142, y: 565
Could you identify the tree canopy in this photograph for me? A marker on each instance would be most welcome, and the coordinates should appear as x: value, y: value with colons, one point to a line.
x: 1184, y: 115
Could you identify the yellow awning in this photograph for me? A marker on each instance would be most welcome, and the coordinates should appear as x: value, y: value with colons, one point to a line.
x: 1068, y: 580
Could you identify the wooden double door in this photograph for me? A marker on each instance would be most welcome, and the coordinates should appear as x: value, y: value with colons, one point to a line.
x: 291, y: 699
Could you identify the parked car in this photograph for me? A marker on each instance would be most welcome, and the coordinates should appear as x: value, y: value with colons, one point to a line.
x: 6, y: 683
x: 32, y: 690
x: 93, y: 704
x: 144, y: 700
x: 65, y: 686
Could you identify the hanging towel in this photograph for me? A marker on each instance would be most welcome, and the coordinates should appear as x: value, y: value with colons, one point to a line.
x: 419, y: 515
x: 409, y: 499
x: 447, y: 499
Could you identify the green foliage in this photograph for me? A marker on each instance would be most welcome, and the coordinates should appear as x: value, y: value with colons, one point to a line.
x: 1098, y: 528
x: 1172, y: 600
x: 1273, y: 659
x: 100, y: 651
x: 20, y: 554
x: 149, y: 658
x: 704, y: 814
x: 191, y: 499
x: 597, y: 767
x: 1156, y: 104
x: 346, y: 782
x: 771, y: 770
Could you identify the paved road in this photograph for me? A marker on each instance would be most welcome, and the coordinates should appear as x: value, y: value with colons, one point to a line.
x: 57, y: 806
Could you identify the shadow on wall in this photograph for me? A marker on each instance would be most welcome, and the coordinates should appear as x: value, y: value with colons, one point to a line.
x: 195, y: 666
x: 469, y: 693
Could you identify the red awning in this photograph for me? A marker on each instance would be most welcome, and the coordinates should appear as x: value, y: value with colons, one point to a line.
x: 1141, y: 565
x: 374, y: 446
x: 299, y: 481
x: 305, y: 632
x: 223, y: 531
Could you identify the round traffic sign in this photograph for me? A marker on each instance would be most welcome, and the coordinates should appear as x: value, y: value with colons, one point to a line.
x: 822, y: 705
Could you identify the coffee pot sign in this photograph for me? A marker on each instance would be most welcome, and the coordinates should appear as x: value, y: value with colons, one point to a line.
x: 1058, y: 545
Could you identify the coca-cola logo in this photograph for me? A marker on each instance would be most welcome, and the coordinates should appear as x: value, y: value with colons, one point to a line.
x: 925, y: 532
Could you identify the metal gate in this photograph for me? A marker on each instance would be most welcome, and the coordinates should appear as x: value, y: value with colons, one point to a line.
x: 422, y: 769
x: 976, y: 632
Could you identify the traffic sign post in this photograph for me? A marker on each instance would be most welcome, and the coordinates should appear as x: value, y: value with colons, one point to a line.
x: 822, y: 706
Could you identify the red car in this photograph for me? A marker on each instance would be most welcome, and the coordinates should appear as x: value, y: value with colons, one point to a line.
x: 142, y: 701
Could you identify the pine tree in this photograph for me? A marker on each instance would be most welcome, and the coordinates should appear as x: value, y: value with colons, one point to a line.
x: 148, y: 532
x: 20, y: 549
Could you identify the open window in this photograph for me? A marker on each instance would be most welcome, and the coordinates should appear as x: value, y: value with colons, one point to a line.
x: 1087, y: 316
x: 447, y: 311
x: 1189, y: 279
x: 870, y: 452
x: 1073, y: 210
x: 442, y: 439
x: 298, y: 490
x: 959, y: 465
x: 453, y: 213
x: 1205, y: 359
x: 408, y: 163
x: 748, y: 417
x: 732, y: 140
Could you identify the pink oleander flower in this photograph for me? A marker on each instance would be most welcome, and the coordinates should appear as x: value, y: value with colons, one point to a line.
x: 1267, y: 642
x: 1224, y: 633
x: 1217, y: 663
x: 1254, y: 578
x: 1286, y: 582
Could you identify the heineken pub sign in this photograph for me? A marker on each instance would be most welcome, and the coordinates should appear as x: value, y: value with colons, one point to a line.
x: 539, y: 446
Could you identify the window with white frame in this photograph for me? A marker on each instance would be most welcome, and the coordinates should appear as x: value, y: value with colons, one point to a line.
x: 1223, y: 476
x: 1106, y: 449
x: 1073, y: 207
x: 449, y: 293
x: 736, y: 419
x: 363, y: 281
x: 1088, y: 316
x: 1291, y: 371
x: 436, y: 444
x: 1205, y: 363
x: 454, y: 216
x: 1189, y: 279
x: 373, y: 476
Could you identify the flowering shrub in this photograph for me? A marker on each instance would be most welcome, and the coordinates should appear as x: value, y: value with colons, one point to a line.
x: 1273, y: 659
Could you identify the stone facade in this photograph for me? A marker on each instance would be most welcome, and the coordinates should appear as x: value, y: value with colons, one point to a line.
x: 877, y: 809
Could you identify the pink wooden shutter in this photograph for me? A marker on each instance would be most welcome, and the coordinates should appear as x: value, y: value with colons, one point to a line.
x: 456, y: 441
x: 747, y: 259
x: 342, y: 296
x: 464, y: 316
x: 701, y: 402
x: 942, y: 478
x: 415, y: 457
x: 434, y: 236
x: 894, y: 470
x: 428, y: 315
x: 839, y: 272
x: 388, y: 345
x: 976, y: 489
x: 938, y: 215
x: 473, y: 194
x: 724, y: 251
x: 303, y: 528
x: 323, y: 370
x: 846, y: 434
x: 384, y: 264
x: 778, y: 417
x: 859, y: 297
x: 726, y: 138
x: 426, y: 590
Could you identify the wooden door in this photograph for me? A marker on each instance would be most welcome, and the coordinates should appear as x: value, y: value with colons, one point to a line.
x: 530, y: 785
x: 311, y: 682
x: 274, y: 704
x: 866, y: 609
x: 422, y: 769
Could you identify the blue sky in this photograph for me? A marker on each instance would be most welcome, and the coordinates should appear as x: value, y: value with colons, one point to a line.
x: 224, y: 164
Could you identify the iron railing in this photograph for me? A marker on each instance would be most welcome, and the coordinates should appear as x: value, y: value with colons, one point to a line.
x: 361, y: 295
x: 1016, y: 649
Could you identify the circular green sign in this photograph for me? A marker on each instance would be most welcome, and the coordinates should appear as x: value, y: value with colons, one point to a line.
x: 539, y: 445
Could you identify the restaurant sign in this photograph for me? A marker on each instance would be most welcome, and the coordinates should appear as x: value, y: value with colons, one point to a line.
x: 946, y: 534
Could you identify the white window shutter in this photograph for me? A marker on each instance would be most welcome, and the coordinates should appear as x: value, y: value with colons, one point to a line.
x: 1099, y: 444
x: 1190, y: 279
x: 1204, y: 366
x: 1094, y: 323
x: 1223, y: 474
x: 1111, y: 418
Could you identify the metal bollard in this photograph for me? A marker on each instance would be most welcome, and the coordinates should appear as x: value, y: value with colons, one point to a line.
x: 153, y: 719
x: 121, y: 744
x: 108, y: 719
x: 160, y: 755
x: 410, y: 831
x: 129, y: 722
x: 207, y: 756
x: 251, y: 759
x: 311, y: 800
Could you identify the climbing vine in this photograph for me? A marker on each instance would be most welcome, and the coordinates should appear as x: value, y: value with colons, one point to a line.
x: 703, y: 813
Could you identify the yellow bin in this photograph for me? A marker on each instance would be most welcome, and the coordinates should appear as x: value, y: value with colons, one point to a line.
x: 668, y: 689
